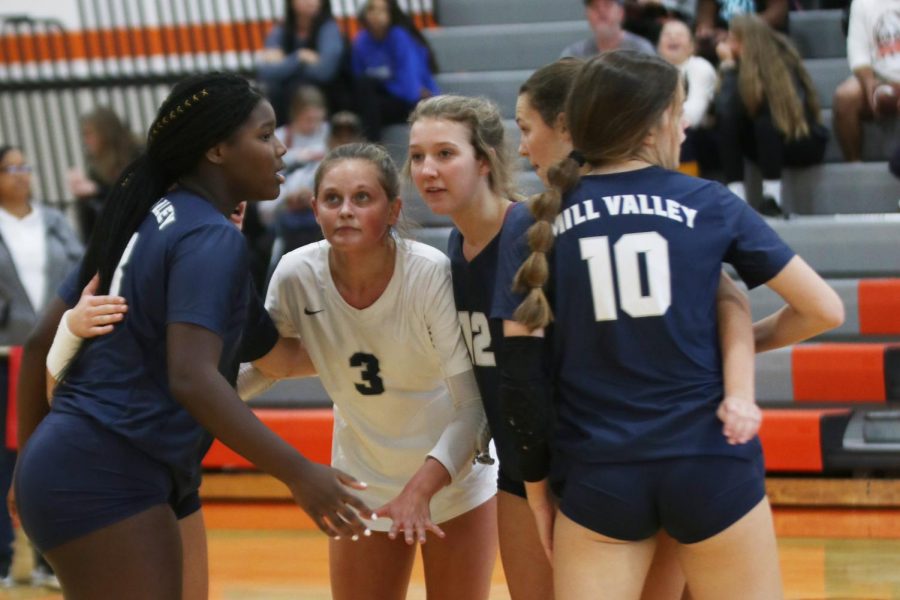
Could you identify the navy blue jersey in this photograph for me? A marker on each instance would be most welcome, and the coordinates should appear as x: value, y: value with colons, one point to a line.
x: 636, y: 263
x: 259, y: 336
x: 185, y: 264
x: 473, y: 292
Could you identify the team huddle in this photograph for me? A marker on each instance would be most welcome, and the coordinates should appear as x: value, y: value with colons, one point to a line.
x: 570, y: 382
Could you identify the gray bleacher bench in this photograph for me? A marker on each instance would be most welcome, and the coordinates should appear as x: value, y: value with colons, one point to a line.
x: 293, y: 393
x: 499, y: 47
x: 842, y: 246
x: 841, y: 188
x: 827, y: 74
x: 818, y: 33
x: 500, y: 86
x: 488, y: 12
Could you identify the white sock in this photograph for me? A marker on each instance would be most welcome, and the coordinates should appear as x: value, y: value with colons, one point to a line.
x: 772, y: 187
x: 737, y: 188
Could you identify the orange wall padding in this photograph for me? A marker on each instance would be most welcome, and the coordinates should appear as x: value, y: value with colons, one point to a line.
x: 838, y: 373
x: 125, y: 42
x: 306, y: 429
x: 792, y: 439
x: 879, y: 306
x: 12, y: 430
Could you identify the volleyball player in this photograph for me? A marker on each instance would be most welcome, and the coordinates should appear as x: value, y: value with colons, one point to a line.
x: 635, y: 264
x: 104, y: 477
x: 460, y: 164
x: 373, y: 315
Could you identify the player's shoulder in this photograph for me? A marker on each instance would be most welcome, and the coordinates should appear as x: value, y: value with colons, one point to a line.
x: 180, y: 213
x: 422, y: 259
x: 310, y: 257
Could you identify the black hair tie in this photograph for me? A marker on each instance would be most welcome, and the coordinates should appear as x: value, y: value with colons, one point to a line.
x: 577, y: 157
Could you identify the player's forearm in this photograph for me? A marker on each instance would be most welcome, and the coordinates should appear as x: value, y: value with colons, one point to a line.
x: 208, y: 397
x: 428, y: 480
x: 736, y: 340
x: 461, y: 437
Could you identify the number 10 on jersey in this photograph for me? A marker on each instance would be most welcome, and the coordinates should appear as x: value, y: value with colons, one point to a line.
x: 633, y: 251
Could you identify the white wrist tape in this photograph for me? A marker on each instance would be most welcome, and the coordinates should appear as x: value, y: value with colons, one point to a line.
x: 251, y: 382
x: 65, y: 346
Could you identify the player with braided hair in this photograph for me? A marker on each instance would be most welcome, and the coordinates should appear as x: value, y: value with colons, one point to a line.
x: 633, y: 253
x: 105, y: 475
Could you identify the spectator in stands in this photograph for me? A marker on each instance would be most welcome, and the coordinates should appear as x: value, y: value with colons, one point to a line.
x: 676, y: 46
x: 37, y: 248
x: 714, y: 16
x: 873, y: 50
x: 647, y: 17
x: 346, y: 128
x: 766, y: 109
x: 306, y: 48
x: 108, y: 148
x: 393, y: 65
x: 306, y: 138
x: 605, y: 18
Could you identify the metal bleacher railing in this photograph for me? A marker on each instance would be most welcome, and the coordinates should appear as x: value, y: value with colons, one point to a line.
x: 124, y: 54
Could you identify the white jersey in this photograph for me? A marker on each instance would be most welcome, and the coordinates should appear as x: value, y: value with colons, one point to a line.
x: 384, y: 368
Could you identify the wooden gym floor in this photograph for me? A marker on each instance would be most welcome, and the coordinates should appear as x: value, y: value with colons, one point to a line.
x: 266, y: 551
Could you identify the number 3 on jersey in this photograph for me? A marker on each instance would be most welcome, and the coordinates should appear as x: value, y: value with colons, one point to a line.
x: 631, y: 252
x: 372, y: 384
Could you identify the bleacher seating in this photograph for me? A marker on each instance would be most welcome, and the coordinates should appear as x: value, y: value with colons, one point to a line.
x: 816, y: 396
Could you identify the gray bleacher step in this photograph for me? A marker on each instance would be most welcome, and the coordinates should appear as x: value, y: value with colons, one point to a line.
x: 500, y: 86
x: 293, y: 393
x: 841, y: 188
x: 826, y: 75
x: 879, y: 139
x: 818, y: 33
x: 502, y: 47
x: 774, y: 377
x: 843, y: 246
x: 452, y: 13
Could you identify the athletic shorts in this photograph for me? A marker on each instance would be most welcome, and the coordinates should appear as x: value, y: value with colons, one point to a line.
x: 512, y: 486
x: 692, y: 498
x: 75, y: 477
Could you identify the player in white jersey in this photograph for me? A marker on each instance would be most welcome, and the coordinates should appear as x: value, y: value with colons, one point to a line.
x: 375, y: 317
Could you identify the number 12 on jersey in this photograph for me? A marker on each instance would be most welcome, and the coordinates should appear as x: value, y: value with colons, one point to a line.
x: 631, y: 252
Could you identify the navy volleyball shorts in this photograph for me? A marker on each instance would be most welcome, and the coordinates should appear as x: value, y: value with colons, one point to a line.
x: 75, y: 477
x: 692, y: 498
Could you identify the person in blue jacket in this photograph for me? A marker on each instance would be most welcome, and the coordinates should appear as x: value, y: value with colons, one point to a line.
x: 393, y: 65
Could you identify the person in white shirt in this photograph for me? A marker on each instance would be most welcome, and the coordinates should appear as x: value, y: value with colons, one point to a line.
x: 374, y: 315
x: 873, y: 91
x: 676, y: 47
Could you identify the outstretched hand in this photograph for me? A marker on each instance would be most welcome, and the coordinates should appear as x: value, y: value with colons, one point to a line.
x: 741, y: 419
x: 95, y: 315
x: 411, y: 516
x: 323, y: 493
